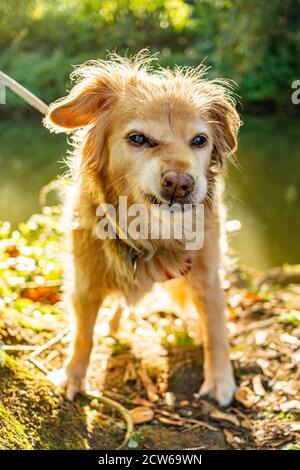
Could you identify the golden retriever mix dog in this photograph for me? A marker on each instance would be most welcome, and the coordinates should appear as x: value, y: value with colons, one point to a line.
x: 155, y: 136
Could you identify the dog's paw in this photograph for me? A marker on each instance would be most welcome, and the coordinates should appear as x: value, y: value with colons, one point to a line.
x: 69, y: 381
x: 75, y: 384
x: 219, y: 387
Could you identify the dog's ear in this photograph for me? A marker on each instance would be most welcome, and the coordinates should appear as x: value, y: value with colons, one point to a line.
x: 94, y: 93
x: 226, y: 122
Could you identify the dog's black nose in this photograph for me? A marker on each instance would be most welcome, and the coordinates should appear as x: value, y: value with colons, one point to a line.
x: 177, y: 184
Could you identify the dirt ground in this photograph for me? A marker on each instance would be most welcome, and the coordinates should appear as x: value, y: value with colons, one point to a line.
x: 154, y: 369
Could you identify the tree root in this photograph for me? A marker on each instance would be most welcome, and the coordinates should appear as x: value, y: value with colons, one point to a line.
x: 121, y: 410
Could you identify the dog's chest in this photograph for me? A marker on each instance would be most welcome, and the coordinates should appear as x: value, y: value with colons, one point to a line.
x: 161, y: 267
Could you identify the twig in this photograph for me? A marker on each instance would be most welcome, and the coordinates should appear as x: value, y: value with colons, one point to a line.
x: 38, y: 365
x: 49, y: 343
x: 195, y: 448
x: 199, y: 424
x: 36, y: 285
x: 254, y: 325
x: 120, y: 408
x: 18, y: 347
x: 52, y: 355
x: 180, y: 421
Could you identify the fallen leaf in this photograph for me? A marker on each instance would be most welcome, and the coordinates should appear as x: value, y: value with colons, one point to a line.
x: 229, y: 436
x: 232, y: 313
x: 260, y: 337
x: 245, y: 423
x: 43, y: 294
x: 141, y: 414
x: 245, y: 396
x: 289, y: 339
x: 295, y: 426
x: 172, y: 422
x: 250, y: 298
x: 168, y: 414
x: 149, y: 385
x: 184, y: 403
x: 258, y: 386
x: 142, y: 402
x: 12, y: 251
x: 290, y: 405
x: 225, y: 417
x: 170, y: 399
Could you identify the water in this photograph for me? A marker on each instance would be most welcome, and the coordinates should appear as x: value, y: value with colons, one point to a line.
x: 263, y: 193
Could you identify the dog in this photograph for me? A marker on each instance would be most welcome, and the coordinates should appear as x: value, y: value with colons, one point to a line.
x: 155, y: 136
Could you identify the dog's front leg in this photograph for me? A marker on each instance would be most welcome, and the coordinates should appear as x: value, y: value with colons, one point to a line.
x: 84, y: 296
x: 86, y: 304
x: 209, y: 299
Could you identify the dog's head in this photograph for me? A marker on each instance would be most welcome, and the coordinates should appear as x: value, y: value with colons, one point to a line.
x: 152, y: 136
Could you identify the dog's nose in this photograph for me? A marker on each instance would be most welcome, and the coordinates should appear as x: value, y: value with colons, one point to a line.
x: 177, y: 184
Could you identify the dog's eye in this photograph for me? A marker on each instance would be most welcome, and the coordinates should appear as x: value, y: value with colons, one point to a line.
x: 140, y: 139
x: 199, y: 141
x: 137, y: 139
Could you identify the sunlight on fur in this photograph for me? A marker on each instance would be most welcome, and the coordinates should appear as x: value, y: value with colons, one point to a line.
x: 156, y: 136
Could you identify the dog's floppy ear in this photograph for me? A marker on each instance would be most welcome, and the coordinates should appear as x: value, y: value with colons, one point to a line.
x: 94, y: 92
x: 226, y: 121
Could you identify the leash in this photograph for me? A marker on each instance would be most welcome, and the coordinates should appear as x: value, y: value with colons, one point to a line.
x: 25, y: 94
x: 42, y: 107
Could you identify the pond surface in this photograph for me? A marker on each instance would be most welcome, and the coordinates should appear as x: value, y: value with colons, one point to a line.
x: 263, y: 192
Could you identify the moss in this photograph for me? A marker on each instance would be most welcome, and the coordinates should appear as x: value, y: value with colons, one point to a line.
x: 34, y: 415
x: 12, y: 432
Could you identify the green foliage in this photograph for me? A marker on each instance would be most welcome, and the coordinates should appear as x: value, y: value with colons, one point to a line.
x: 135, y: 440
x: 254, y: 43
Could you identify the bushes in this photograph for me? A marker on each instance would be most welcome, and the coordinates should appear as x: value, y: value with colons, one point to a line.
x: 255, y: 43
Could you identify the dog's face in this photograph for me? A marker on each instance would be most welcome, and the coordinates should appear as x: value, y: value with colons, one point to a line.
x: 161, y: 144
x: 154, y: 136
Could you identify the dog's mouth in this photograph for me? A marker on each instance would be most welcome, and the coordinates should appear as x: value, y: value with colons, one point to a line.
x: 169, y: 201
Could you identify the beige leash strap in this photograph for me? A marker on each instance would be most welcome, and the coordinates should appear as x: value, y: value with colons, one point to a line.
x: 120, y: 233
x: 25, y: 94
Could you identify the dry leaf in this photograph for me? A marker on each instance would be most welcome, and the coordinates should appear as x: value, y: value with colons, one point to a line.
x: 245, y: 396
x: 167, y: 413
x: 290, y: 405
x: 142, y: 402
x: 12, y: 251
x: 172, y: 422
x: 149, y: 385
x: 295, y: 426
x: 289, y: 339
x: 141, y: 414
x: 229, y: 436
x: 245, y: 423
x: 170, y: 399
x: 42, y: 294
x: 250, y: 298
x: 260, y: 337
x: 258, y: 386
x: 184, y: 403
x: 232, y: 313
x: 225, y: 417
